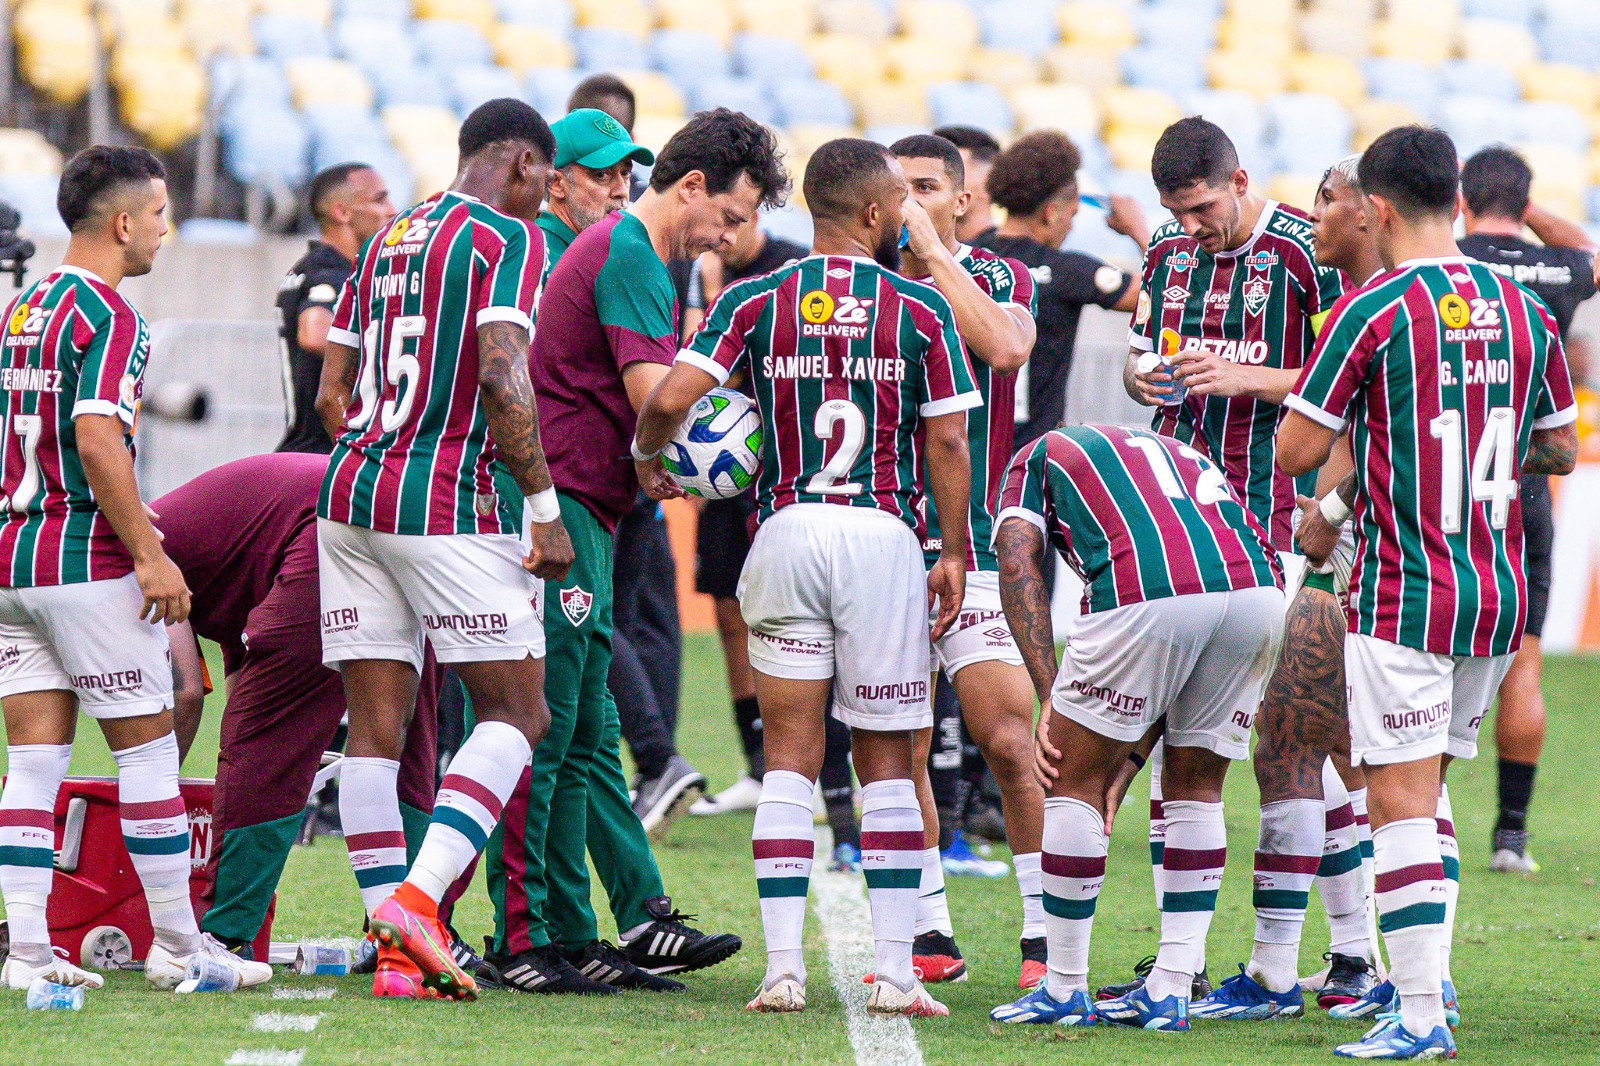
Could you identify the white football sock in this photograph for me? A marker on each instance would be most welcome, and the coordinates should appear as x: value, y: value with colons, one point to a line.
x: 1340, y: 881
x: 784, y: 844
x: 1450, y: 860
x: 1158, y: 821
x: 1410, y: 893
x: 155, y: 829
x: 1196, y: 853
x: 1032, y: 889
x: 374, y: 835
x: 1288, y: 851
x: 1073, y: 868
x: 471, y: 796
x: 27, y: 840
x: 933, y: 906
x: 891, y: 859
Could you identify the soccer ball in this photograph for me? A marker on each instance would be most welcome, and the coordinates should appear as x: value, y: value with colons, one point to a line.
x: 716, y: 453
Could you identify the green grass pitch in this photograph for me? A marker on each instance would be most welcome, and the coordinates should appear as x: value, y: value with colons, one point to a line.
x: 1527, y: 950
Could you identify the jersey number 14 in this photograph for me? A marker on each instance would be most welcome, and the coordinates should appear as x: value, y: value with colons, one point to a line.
x: 1493, y: 476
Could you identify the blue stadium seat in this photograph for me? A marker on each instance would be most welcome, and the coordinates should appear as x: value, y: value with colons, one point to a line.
x: 557, y: 14
x: 236, y: 78
x: 388, y: 10
x: 266, y: 145
x: 740, y: 94
x: 547, y: 89
x: 889, y: 132
x: 1476, y: 121
x: 603, y: 49
x: 1187, y: 29
x: 1303, y: 123
x: 470, y: 86
x: 370, y: 43
x: 409, y: 85
x: 1158, y: 67
x: 969, y: 103
x: 810, y: 100
x: 1548, y: 122
x: 1479, y: 78
x: 287, y: 36
x: 1238, y: 113
x: 1405, y: 80
x: 1570, y: 42
x: 343, y: 121
x: 1512, y: 10
x: 1027, y: 26
x: 771, y: 59
x: 444, y: 43
x: 688, y: 55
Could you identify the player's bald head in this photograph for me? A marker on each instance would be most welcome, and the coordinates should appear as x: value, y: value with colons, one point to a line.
x: 845, y: 175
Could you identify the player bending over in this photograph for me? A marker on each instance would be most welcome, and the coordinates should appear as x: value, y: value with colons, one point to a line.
x: 87, y: 585
x: 1453, y: 381
x: 1182, y: 616
x: 860, y: 375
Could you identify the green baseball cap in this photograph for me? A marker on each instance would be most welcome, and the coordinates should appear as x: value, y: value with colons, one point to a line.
x: 592, y: 138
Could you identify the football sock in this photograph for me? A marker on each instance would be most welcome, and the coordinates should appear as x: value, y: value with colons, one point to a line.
x: 1450, y: 862
x: 1073, y: 868
x: 1288, y: 852
x: 374, y: 835
x: 1516, y: 793
x: 747, y: 716
x: 1410, y: 888
x: 891, y: 859
x: 1158, y: 823
x: 784, y: 844
x: 155, y: 828
x: 1196, y: 852
x: 1339, y: 879
x: 1358, y: 804
x: 470, y: 799
x: 1032, y: 889
x: 27, y: 843
x: 933, y: 906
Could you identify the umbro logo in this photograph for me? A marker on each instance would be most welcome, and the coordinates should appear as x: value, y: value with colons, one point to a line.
x: 998, y: 633
x: 840, y: 273
x: 1175, y: 295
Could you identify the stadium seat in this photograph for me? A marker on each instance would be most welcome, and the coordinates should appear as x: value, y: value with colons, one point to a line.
x: 1278, y: 13
x: 1496, y: 40
x: 1261, y: 76
x: 1425, y: 42
x: 55, y: 49
x: 922, y: 59
x: 889, y: 132
x: 266, y: 145
x: 1474, y: 121
x: 1550, y: 122
x: 1091, y: 67
x: 217, y: 26
x: 392, y: 10
x: 949, y: 22
x: 548, y: 88
x: 793, y: 18
x: 519, y: 47
x: 1308, y: 132
x: 409, y: 86
x: 739, y: 94
x: 335, y: 121
x: 770, y: 58
x: 1132, y: 146
x: 1026, y: 26
x: 802, y: 101
x: 1139, y: 107
x: 371, y: 43
x: 1329, y: 75
x: 1069, y: 108
x: 654, y: 93
x: 845, y: 60
x: 314, y: 81
x: 807, y: 137
x: 1569, y: 42
x: 25, y: 151
x: 1098, y: 25
x: 1331, y: 32
x: 891, y: 102
x: 609, y: 49
x: 1405, y: 80
x: 1560, y: 177
x: 653, y: 131
x: 470, y: 86
x: 1158, y: 68
x: 969, y: 103
x: 1522, y: 11
x: 856, y: 18
x: 630, y: 16
x: 556, y: 15
x: 1176, y: 28
x: 1375, y: 117
x: 444, y: 43
x: 1004, y: 70
x: 249, y: 81
x: 1250, y: 38
x: 1296, y: 190
x: 283, y: 37
x: 687, y: 55
x: 479, y: 14
x: 161, y: 95
x: 1480, y: 78
x: 318, y: 11
x: 1561, y: 82
x: 1240, y: 114
x: 1438, y: 12
x: 426, y: 140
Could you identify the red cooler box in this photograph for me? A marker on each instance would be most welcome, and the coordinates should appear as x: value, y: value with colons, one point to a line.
x: 98, y: 914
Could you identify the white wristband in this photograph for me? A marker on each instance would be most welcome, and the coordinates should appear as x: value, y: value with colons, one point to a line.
x: 640, y: 456
x: 544, y: 507
x: 1334, y: 509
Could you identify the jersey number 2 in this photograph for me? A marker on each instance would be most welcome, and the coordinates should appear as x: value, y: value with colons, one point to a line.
x: 1494, y: 479
x: 845, y: 418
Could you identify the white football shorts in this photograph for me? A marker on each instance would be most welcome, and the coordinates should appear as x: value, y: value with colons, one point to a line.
x: 841, y: 592
x: 1203, y: 660
x: 1407, y: 704
x: 467, y: 594
x: 86, y: 638
x: 980, y: 633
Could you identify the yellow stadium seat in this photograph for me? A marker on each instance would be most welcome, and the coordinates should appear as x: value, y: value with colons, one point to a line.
x: 1425, y: 42
x: 1101, y: 25
x: 860, y: 18
x: 1296, y: 190
x: 654, y: 93
x: 1128, y: 106
x: 1350, y: 10
x: 425, y: 136
x: 55, y: 49
x: 1438, y: 12
x: 945, y: 20
x: 1560, y: 177
x: 1334, y: 76
x: 163, y: 99
x: 1375, y: 117
x: 1255, y: 39
x: 316, y: 10
x: 1331, y: 33
x: 1278, y: 13
x: 521, y: 47
x: 806, y: 137
x: 846, y: 60
x: 716, y: 17
x: 315, y: 81
x: 891, y: 102
x: 479, y: 13
x: 1069, y: 108
x: 118, y: 17
x: 1091, y: 67
x: 628, y: 15
x: 1495, y: 41
x: 1562, y: 83
x: 654, y: 131
x: 793, y: 18
x: 1130, y: 147
x: 923, y: 60
x: 217, y: 25
x: 27, y: 152
x: 157, y: 34
x: 1259, y: 76
x: 1003, y: 69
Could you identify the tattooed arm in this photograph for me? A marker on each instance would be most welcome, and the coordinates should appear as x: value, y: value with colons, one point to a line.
x: 1020, y: 545
x: 1552, y: 451
x: 337, y: 383
x: 513, y: 416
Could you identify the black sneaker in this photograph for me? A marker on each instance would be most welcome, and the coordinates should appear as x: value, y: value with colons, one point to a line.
x: 601, y: 960
x: 470, y: 960
x: 936, y: 958
x: 984, y: 819
x: 1035, y: 953
x: 544, y: 971
x: 1349, y: 978
x: 1141, y: 969
x: 667, y: 945
x: 660, y: 799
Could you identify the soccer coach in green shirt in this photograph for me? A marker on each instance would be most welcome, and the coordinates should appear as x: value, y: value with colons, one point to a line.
x: 593, y: 168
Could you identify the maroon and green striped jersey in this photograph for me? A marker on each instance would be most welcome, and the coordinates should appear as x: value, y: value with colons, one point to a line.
x: 1138, y: 516
x: 846, y: 358
x: 73, y: 346
x: 1443, y: 369
x: 415, y: 451
x: 991, y: 429
x: 1252, y: 305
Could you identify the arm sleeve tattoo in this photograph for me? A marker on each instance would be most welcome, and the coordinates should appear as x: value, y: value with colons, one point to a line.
x: 509, y: 404
x: 1026, y: 598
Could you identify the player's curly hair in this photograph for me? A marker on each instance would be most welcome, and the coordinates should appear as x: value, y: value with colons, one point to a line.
x: 723, y: 144
x: 98, y: 171
x: 1033, y: 171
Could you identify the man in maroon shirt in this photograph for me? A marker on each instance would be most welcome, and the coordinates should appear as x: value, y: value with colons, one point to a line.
x: 245, y: 537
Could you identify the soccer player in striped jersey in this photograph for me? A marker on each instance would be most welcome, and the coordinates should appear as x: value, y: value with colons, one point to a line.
x: 1182, y: 615
x: 425, y: 382
x: 861, y: 379
x: 1453, y: 380
x: 993, y: 299
x: 87, y: 585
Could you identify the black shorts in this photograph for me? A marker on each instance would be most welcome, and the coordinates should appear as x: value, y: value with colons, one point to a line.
x: 1538, y: 531
x: 722, y: 540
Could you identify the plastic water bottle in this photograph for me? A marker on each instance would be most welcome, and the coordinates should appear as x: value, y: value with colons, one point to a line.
x: 322, y: 960
x: 45, y: 994
x: 1148, y: 363
x: 206, y: 974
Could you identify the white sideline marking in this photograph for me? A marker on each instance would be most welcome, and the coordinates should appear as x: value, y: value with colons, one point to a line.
x: 268, y: 1057
x: 273, y: 1022
x: 841, y: 906
x: 302, y: 993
